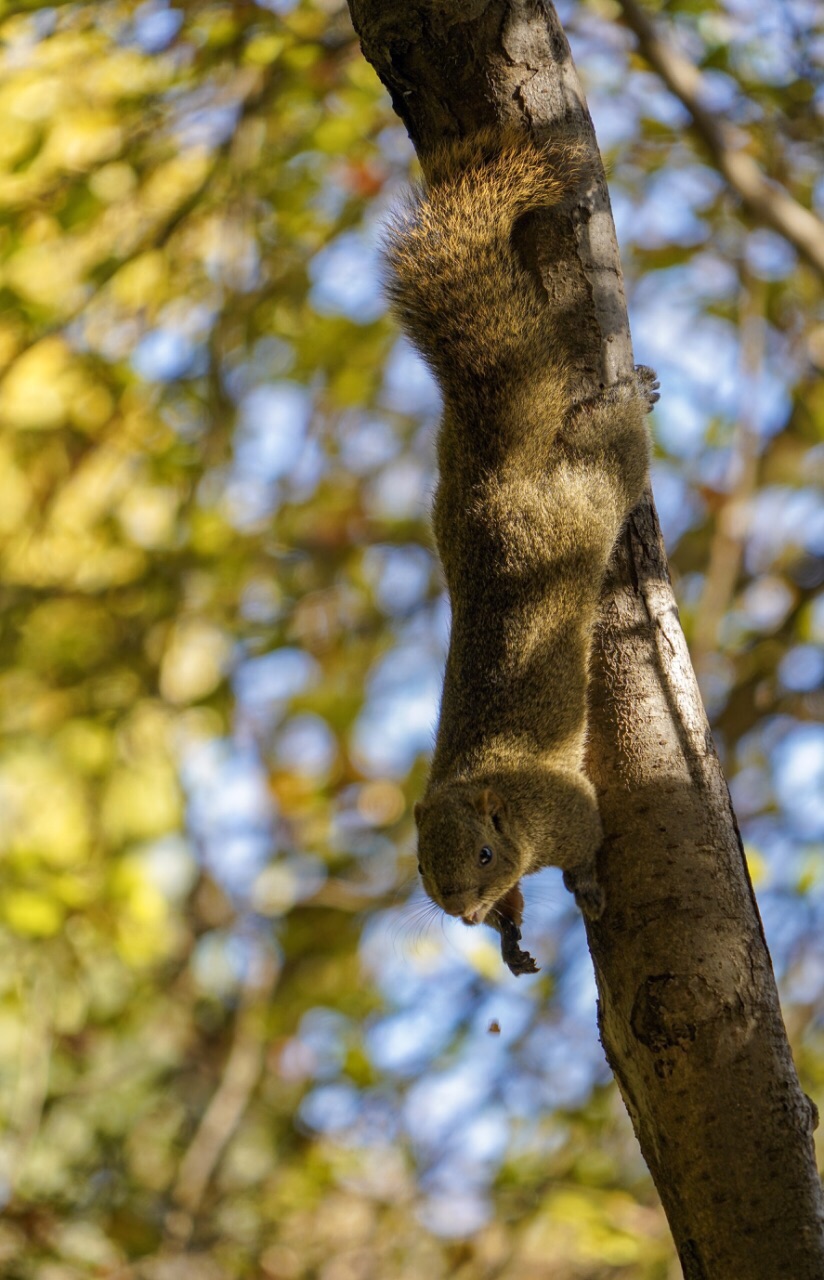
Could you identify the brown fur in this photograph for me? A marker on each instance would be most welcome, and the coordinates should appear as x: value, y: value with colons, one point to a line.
x: 532, y: 493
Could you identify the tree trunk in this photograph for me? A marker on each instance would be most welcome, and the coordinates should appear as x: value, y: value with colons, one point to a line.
x: 688, y: 1010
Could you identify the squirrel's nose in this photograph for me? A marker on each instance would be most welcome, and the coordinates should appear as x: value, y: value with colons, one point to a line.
x: 463, y: 903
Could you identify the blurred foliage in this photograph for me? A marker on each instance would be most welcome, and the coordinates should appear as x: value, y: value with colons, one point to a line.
x: 228, y: 1045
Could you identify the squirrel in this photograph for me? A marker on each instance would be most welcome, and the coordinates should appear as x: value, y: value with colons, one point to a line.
x: 533, y: 490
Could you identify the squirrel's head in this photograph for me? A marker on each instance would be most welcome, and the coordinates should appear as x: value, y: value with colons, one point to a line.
x: 467, y: 856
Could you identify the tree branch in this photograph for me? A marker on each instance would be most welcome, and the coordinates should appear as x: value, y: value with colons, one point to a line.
x: 767, y: 201
x: 727, y: 546
x: 226, y: 1109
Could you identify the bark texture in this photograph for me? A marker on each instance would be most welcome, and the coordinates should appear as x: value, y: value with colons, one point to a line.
x: 688, y: 1009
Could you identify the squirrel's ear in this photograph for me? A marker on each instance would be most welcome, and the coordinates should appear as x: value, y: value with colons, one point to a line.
x: 488, y: 803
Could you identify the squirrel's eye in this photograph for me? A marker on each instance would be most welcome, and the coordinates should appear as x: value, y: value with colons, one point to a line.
x: 485, y: 856
x: 420, y: 869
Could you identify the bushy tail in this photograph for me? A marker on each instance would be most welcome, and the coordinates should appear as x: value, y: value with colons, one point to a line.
x: 455, y: 280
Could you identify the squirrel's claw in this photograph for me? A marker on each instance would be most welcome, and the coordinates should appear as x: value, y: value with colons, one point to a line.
x: 588, y: 892
x: 649, y: 384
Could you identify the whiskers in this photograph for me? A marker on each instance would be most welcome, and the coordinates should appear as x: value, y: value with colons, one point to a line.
x: 414, y: 921
x: 494, y: 916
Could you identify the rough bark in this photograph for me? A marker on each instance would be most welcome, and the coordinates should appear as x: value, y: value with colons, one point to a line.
x: 688, y: 1009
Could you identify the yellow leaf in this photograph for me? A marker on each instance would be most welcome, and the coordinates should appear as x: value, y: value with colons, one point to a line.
x: 141, y: 803
x: 209, y: 532
x: 194, y: 662
x: 76, y: 891
x: 485, y: 956
x: 262, y: 50
x: 16, y: 138
x: 80, y: 139
x: 143, y: 928
x: 30, y: 394
x: 148, y: 516
x: 86, y: 744
x: 113, y: 181
x: 56, y: 832
x: 50, y: 273
x: 30, y: 96
x: 141, y: 281
x: 31, y: 913
x: 126, y: 73
x: 172, y: 182
x: 757, y: 864
x: 336, y: 134
x: 91, y: 406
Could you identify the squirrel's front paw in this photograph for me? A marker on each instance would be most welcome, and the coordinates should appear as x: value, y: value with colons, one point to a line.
x: 587, y: 891
x: 642, y: 382
x: 516, y: 960
x: 648, y: 384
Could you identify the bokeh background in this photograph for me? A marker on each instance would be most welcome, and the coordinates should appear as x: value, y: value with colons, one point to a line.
x: 233, y: 1041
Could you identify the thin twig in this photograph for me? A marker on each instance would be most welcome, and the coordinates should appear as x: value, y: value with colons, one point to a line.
x: 729, y: 540
x: 769, y: 202
x: 225, y: 1111
x: 34, y: 1065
